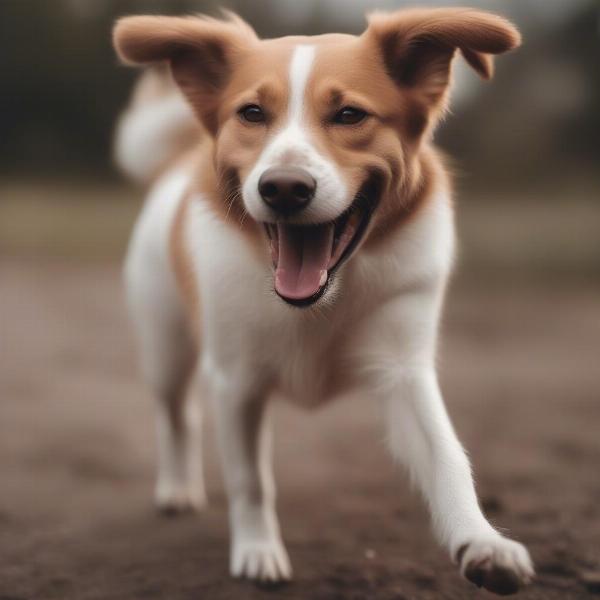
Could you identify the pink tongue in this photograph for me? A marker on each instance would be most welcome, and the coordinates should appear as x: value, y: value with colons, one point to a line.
x: 304, y: 253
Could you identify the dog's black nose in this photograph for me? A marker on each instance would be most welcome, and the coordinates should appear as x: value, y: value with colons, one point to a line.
x: 286, y: 189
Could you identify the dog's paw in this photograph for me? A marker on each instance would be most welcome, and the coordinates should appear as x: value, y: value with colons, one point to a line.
x: 172, y: 500
x: 265, y: 561
x: 496, y: 563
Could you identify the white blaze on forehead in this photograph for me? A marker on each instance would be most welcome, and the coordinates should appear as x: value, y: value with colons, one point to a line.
x: 293, y: 145
x: 300, y: 68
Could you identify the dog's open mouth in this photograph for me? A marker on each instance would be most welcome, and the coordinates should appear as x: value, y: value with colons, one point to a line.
x: 305, y: 257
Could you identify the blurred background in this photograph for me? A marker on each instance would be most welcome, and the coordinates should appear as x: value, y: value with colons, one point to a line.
x: 523, y: 327
x: 525, y: 146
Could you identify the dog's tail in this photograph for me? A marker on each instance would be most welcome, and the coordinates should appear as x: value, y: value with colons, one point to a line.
x: 156, y: 127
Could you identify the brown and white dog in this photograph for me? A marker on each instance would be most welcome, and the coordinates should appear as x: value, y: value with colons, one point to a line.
x: 297, y: 239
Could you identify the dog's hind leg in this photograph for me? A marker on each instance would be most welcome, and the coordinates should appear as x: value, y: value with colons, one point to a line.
x: 168, y: 357
x: 169, y: 361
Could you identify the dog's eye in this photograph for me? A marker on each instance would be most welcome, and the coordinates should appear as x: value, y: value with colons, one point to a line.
x: 252, y: 113
x: 349, y: 115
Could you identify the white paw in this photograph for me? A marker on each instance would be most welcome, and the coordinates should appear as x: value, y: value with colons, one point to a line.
x: 496, y: 563
x: 260, y: 560
x: 174, y: 499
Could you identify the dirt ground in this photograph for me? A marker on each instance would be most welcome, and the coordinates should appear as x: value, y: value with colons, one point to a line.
x: 519, y: 366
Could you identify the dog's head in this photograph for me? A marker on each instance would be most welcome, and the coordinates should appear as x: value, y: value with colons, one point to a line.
x: 317, y: 138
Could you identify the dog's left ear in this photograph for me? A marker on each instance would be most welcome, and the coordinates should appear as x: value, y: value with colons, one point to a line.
x: 418, y: 44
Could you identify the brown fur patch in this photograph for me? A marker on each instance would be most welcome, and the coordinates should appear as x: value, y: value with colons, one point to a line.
x: 200, y: 51
x: 183, y: 267
x: 396, y: 212
x: 418, y: 44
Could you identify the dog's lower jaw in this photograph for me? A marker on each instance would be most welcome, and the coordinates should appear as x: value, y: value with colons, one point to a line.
x: 342, y: 235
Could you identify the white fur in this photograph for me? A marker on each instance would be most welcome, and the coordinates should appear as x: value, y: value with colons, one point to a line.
x: 253, y: 344
x: 376, y: 333
x: 293, y: 145
x: 300, y: 68
x: 149, y: 135
x: 168, y: 355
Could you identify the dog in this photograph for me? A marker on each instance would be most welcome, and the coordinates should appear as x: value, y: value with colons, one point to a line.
x: 297, y: 238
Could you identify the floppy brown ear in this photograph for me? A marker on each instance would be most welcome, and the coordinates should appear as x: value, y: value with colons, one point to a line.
x: 199, y: 50
x: 418, y: 44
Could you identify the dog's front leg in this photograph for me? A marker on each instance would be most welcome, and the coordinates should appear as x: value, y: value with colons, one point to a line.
x: 257, y: 551
x: 421, y: 436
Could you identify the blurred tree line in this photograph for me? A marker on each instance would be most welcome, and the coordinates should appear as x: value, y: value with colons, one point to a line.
x: 62, y: 87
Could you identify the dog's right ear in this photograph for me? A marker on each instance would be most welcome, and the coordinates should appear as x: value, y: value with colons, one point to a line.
x: 419, y: 44
x: 200, y: 51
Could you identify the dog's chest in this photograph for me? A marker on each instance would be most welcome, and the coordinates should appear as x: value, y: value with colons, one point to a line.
x: 312, y: 354
x: 309, y: 363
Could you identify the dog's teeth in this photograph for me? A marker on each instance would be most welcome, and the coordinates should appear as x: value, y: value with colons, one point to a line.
x: 323, y: 277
